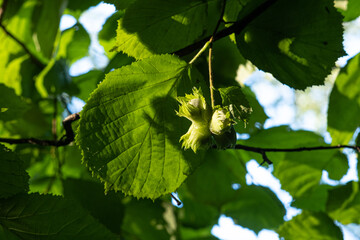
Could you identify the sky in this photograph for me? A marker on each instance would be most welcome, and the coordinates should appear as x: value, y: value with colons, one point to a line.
x: 283, y: 105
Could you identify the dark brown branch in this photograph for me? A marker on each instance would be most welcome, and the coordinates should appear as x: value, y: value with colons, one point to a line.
x: 63, y: 141
x: 236, y: 28
x: 24, y: 47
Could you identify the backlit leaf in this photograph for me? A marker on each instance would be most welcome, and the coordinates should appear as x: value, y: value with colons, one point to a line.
x: 129, y: 132
x: 141, y: 31
x: 344, y: 103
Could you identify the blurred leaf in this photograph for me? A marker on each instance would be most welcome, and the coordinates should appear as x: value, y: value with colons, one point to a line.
x: 35, y: 23
x: 48, y: 217
x: 144, y: 221
x: 196, y: 215
x: 132, y: 144
x: 108, y: 209
x: 225, y: 62
x: 197, y: 234
x: 313, y: 201
x: 86, y: 83
x: 141, y: 31
x: 55, y: 79
x: 17, y: 70
x: 6, y: 234
x: 43, y: 177
x: 255, y: 207
x: 107, y: 35
x: 213, y: 180
x: 310, y: 225
x: 300, y: 53
x: 338, y: 166
x: 71, y: 166
x: 33, y: 123
x: 13, y: 177
x: 344, y: 203
x: 344, y: 103
x: 233, y: 8
x: 237, y: 102
x: 11, y: 105
x: 74, y: 44
x: 352, y: 10
x: 300, y: 173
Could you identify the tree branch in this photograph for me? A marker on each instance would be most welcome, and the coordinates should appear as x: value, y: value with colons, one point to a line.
x: 24, y: 47
x: 236, y: 28
x: 63, y: 141
x: 263, y: 151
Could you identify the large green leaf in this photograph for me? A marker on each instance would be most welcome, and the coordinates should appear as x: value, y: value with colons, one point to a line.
x: 310, y: 225
x: 129, y: 132
x: 162, y: 26
x: 344, y: 103
x: 108, y: 209
x: 48, y: 217
x: 13, y: 177
x: 344, y: 203
x: 297, y: 41
x: 256, y: 207
x: 313, y: 201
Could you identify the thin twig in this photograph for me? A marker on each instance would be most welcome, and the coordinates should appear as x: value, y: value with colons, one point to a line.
x: 211, y: 84
x: 63, y: 141
x: 300, y: 149
x: 236, y: 28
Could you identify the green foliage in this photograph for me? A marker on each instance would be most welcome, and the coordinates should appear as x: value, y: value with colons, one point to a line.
x: 141, y: 31
x: 300, y: 53
x: 345, y: 93
x: 310, y: 225
x: 138, y: 108
x: 49, y: 217
x: 256, y: 208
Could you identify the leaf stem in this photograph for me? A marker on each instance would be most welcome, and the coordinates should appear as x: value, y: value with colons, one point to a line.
x: 211, y: 82
x: 206, y: 45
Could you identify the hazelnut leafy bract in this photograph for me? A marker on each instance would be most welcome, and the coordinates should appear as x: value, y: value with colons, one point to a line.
x: 194, y: 107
